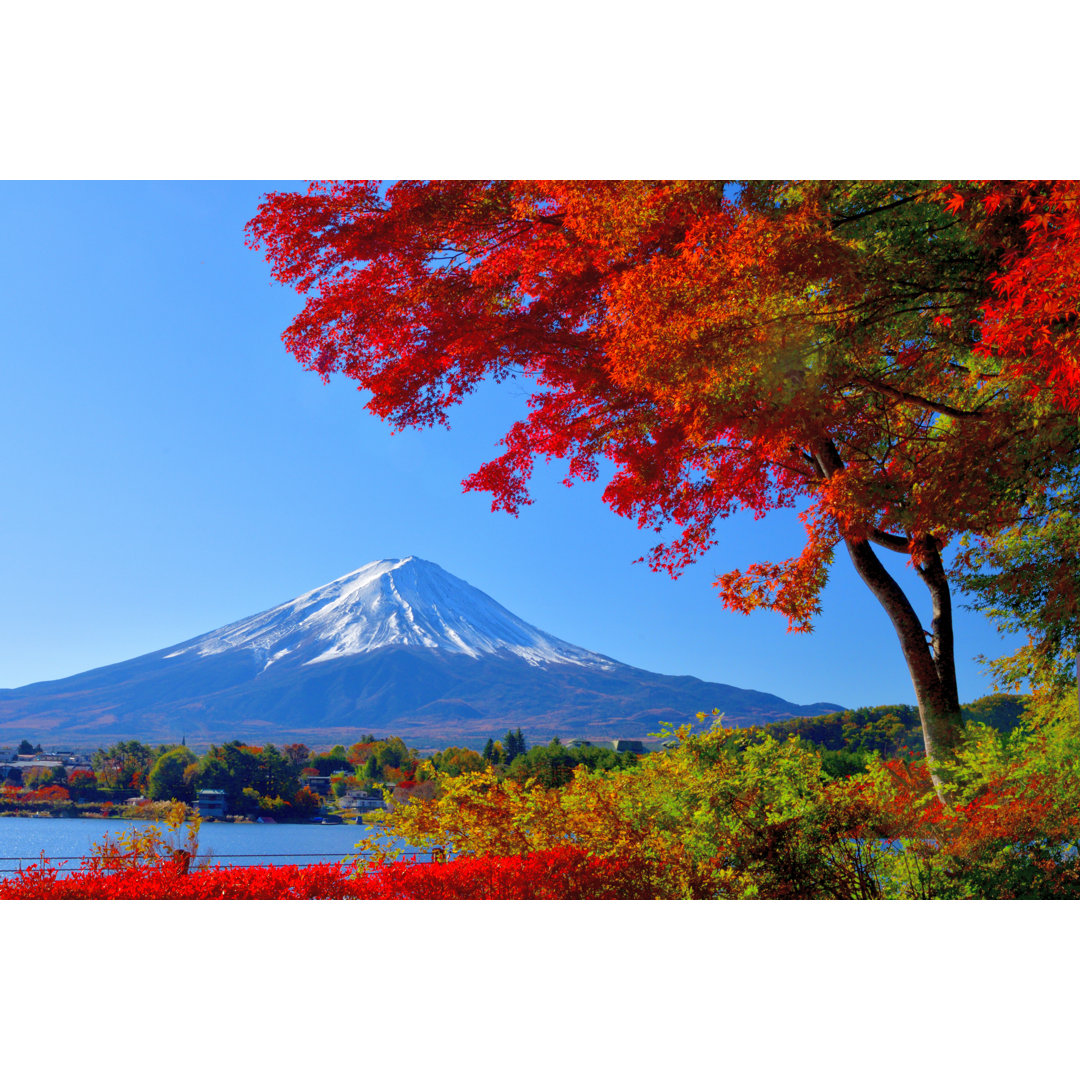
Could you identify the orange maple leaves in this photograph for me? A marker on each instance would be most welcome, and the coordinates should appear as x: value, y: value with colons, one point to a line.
x: 703, y: 340
x: 1032, y: 321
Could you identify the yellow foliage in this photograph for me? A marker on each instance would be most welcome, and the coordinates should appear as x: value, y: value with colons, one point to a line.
x: 680, y: 810
x: 151, y: 845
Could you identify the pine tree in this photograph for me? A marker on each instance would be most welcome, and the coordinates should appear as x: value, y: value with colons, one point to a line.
x: 372, y: 772
x: 514, y: 745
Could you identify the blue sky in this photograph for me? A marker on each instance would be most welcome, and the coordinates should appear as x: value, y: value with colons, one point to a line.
x: 167, y: 468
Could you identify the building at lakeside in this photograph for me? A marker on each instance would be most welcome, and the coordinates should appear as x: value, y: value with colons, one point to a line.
x: 211, y: 803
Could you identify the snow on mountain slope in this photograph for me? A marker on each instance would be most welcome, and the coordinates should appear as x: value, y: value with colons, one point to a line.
x: 398, y: 646
x: 389, y: 602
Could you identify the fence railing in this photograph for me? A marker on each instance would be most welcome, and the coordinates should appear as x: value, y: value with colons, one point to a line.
x: 70, y: 864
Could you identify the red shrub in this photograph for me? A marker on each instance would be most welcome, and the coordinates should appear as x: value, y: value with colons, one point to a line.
x: 560, y: 874
x: 50, y: 793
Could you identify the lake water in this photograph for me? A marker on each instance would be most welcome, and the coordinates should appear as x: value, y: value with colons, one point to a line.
x: 23, y: 840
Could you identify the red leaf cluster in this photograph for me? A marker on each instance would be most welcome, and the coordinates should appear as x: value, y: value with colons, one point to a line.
x: 559, y: 874
x: 717, y: 352
x: 1032, y: 322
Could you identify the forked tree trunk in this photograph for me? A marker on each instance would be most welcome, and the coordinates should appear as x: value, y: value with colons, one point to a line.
x: 930, y: 658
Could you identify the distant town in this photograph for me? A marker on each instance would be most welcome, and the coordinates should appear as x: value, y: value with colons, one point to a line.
x: 239, y: 782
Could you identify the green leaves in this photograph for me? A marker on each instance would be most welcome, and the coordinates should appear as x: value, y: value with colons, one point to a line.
x: 1027, y: 578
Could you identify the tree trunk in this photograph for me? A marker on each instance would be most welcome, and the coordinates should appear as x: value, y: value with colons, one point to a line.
x: 930, y: 663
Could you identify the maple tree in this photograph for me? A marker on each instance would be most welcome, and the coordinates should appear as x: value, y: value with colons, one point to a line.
x: 1027, y: 577
x: 896, y: 360
x: 1031, y: 320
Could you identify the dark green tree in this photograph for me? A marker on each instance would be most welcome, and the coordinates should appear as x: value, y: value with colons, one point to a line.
x: 167, y: 780
x: 235, y: 767
x: 514, y: 745
x: 280, y: 777
x: 372, y: 771
x: 553, y: 765
x: 392, y: 753
x: 330, y: 761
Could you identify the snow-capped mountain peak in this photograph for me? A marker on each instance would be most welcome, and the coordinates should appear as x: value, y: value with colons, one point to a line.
x: 389, y: 602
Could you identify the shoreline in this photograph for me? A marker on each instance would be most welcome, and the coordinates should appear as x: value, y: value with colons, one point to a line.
x: 42, y: 815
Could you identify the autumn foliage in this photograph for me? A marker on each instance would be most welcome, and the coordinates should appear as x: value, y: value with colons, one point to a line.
x: 563, y: 874
x: 1031, y: 322
x: 720, y: 814
x: 49, y: 793
x: 737, y: 814
x: 898, y: 361
x: 703, y: 342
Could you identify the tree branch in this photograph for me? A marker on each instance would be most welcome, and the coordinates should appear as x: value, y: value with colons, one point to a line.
x: 837, y: 222
x: 900, y: 544
x: 918, y: 399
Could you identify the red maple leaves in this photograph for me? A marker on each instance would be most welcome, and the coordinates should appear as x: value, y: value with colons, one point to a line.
x: 1032, y: 322
x: 707, y: 342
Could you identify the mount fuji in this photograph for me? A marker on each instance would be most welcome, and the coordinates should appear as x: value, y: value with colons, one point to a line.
x: 397, y: 647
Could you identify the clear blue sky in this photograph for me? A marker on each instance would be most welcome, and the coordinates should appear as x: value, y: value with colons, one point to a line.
x: 167, y: 468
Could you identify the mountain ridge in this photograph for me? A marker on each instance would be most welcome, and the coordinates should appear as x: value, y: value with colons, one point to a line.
x: 398, y: 646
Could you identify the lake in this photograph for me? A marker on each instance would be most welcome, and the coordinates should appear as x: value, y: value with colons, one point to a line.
x: 23, y: 840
